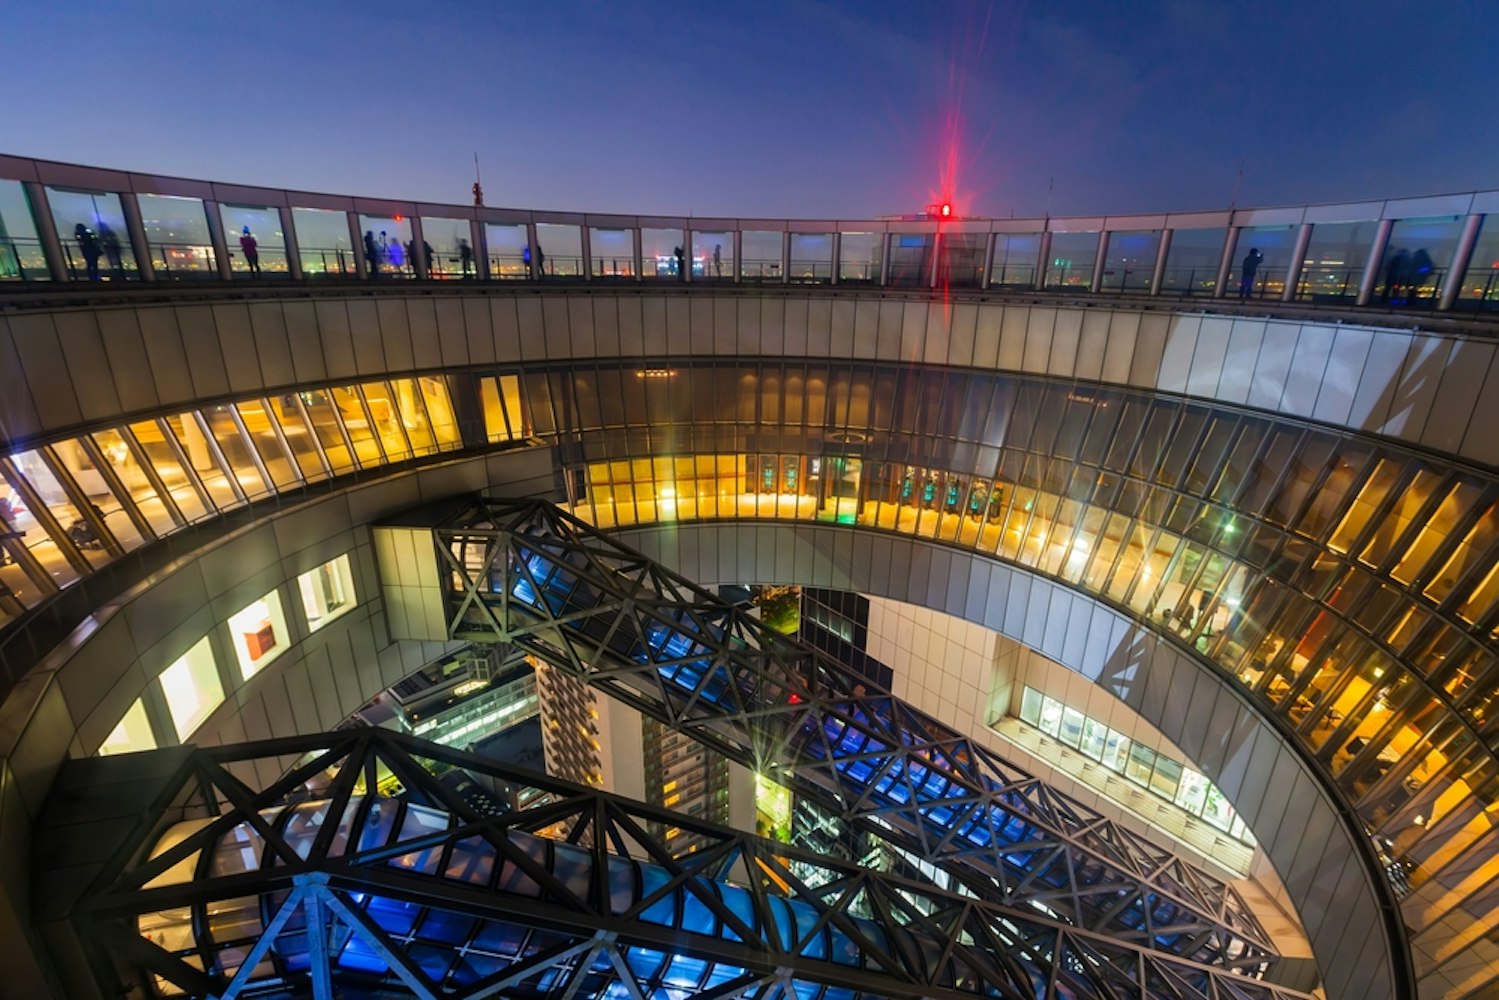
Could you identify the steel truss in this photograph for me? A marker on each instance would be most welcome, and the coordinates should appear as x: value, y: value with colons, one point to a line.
x: 528, y: 573
x: 318, y: 885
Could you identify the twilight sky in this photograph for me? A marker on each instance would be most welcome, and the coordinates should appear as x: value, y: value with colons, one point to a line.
x: 815, y: 108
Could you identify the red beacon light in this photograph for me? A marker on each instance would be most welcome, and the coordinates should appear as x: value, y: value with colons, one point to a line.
x: 942, y: 210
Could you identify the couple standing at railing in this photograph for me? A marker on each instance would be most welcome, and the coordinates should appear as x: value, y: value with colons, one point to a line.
x: 105, y: 243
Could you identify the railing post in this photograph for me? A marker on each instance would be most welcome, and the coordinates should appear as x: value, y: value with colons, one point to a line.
x: 135, y: 229
x: 786, y: 256
x: 533, y: 241
x: 46, y: 230
x: 885, y: 242
x: 1162, y: 253
x: 361, y: 266
x: 215, y: 220
x: 478, y: 237
x: 1462, y: 257
x: 418, y: 249
x: 989, y: 241
x: 686, y: 255
x: 1377, y: 249
x: 1043, y: 259
x: 1298, y: 261
x: 1099, y: 261
x: 635, y: 245
x: 585, y: 247
x: 293, y: 249
x: 837, y: 257
x: 1226, y: 261
x: 936, y: 258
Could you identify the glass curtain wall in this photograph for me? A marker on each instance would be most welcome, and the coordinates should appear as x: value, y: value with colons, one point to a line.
x: 613, y: 252
x: 388, y: 251
x: 560, y: 250
x: 21, y: 256
x: 859, y: 258
x: 1261, y: 257
x: 324, y: 244
x: 811, y: 258
x: 509, y: 252
x: 257, y: 245
x: 911, y: 260
x: 962, y: 262
x: 1416, y: 260
x: 447, y: 248
x: 1480, y: 289
x: 662, y: 254
x: 177, y: 237
x: 1129, y: 264
x: 1070, y: 267
x: 761, y: 251
x: 1015, y: 258
x: 95, y: 240
x: 1335, y: 260
x: 715, y: 249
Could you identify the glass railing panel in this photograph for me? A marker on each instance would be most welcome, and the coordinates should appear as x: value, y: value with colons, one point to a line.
x: 21, y: 255
x: 91, y: 227
x: 1070, y: 264
x: 388, y: 250
x: 1416, y: 259
x: 1262, y: 255
x: 157, y: 510
x: 811, y: 258
x: 761, y: 252
x: 1335, y: 260
x: 1129, y: 262
x: 1015, y: 258
x: 859, y: 257
x: 177, y: 237
x: 612, y: 253
x: 559, y: 250
x: 446, y: 248
x: 256, y: 242
x: 962, y: 260
x: 715, y: 249
x: 509, y: 251
x: 324, y: 244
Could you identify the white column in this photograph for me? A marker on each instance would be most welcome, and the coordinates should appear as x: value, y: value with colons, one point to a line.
x: 585, y: 245
x: 136, y: 230
x: 1298, y: 261
x: 687, y: 254
x: 361, y: 266
x: 535, y: 246
x: 785, y: 256
x: 215, y: 220
x: 46, y: 230
x: 635, y: 244
x: 990, y: 240
x: 1370, y: 277
x: 1043, y: 260
x: 886, y: 241
x: 418, y: 249
x: 1462, y: 257
x: 837, y: 256
x: 1226, y: 261
x: 1162, y: 253
x: 289, y: 241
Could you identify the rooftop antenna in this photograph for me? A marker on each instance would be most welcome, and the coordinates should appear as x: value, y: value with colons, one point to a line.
x: 1050, y: 183
x: 1234, y: 201
x: 478, y: 188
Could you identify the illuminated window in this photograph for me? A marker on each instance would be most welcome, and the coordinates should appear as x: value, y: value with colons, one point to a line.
x: 259, y: 634
x: 327, y: 592
x: 132, y: 734
x: 192, y: 688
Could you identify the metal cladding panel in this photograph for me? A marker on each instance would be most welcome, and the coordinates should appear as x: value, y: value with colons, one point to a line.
x: 174, y: 186
x: 1426, y: 208
x: 1365, y: 211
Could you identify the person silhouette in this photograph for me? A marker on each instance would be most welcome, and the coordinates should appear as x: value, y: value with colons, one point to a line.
x: 88, y: 245
x: 110, y: 240
x: 1252, y: 261
x: 681, y: 256
x: 1395, y: 271
x: 718, y: 260
x: 465, y: 256
x: 251, y: 248
x: 371, y: 252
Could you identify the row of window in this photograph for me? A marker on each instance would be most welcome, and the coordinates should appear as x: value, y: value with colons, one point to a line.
x: 1166, y: 777
x: 193, y: 686
x: 1413, y: 259
x: 72, y: 506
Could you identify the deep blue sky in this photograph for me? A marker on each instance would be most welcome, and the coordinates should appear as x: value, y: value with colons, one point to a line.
x: 816, y: 108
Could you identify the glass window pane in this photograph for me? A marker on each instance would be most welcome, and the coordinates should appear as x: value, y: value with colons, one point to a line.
x: 1334, y: 262
x: 859, y: 257
x: 662, y: 254
x: 1071, y: 264
x: 299, y: 438
x: 962, y: 260
x: 508, y: 251
x: 386, y: 417
x: 132, y: 734
x: 33, y: 466
x: 327, y: 592
x: 91, y: 226
x: 110, y: 509
x: 446, y: 248
x: 162, y: 454
x: 910, y: 260
x: 21, y: 256
x: 1015, y: 257
x: 1192, y: 261
x: 142, y: 492
x: 323, y: 243
x: 192, y: 688
x: 387, y: 245
x: 1165, y: 778
x: 177, y: 236
x: 257, y: 244
x: 1261, y: 256
x: 259, y: 634
x: 761, y: 250
x: 715, y: 252
x: 1051, y: 715
x: 1141, y: 764
x: 1071, y: 732
x: 1030, y: 706
x: 413, y: 415
x: 560, y: 249
x: 237, y: 452
x: 1416, y: 259
x: 613, y: 252
x: 1130, y: 261
x: 258, y: 424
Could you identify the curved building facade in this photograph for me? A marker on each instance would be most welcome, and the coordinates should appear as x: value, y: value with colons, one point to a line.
x: 1267, y: 523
